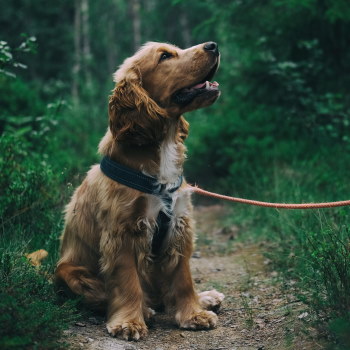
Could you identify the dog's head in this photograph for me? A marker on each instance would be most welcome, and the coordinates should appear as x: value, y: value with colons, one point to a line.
x: 160, y: 82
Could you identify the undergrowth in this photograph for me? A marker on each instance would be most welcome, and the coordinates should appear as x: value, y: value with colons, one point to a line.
x: 31, y: 315
x: 311, y: 247
x: 42, y: 157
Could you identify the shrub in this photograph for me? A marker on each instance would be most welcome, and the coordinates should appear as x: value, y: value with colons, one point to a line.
x: 30, y: 314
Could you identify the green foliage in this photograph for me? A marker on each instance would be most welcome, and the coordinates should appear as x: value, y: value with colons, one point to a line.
x: 340, y: 328
x: 41, y: 145
x: 7, y: 59
x: 283, y: 82
x: 27, y: 184
x: 330, y: 260
x: 18, y: 98
x: 27, y: 296
x: 310, y: 247
x: 31, y: 219
x: 51, y: 26
x: 280, y: 131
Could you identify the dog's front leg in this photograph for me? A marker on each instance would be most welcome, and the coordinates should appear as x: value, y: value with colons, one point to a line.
x: 188, y: 311
x: 178, y: 289
x: 125, y: 297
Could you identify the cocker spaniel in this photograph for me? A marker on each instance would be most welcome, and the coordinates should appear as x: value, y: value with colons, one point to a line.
x: 128, y: 235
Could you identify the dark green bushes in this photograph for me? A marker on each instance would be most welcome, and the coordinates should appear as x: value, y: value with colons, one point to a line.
x: 38, y: 156
x: 31, y: 316
x: 30, y: 212
x: 310, y: 247
x: 284, y: 91
x: 32, y: 191
x: 45, y: 148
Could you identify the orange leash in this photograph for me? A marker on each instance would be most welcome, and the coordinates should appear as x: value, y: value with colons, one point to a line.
x: 268, y: 204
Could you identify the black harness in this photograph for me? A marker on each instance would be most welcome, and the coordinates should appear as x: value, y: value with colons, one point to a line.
x: 147, y: 184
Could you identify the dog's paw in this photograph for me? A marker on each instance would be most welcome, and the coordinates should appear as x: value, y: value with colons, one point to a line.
x: 148, y: 313
x: 210, y: 300
x: 199, y: 320
x: 129, y: 330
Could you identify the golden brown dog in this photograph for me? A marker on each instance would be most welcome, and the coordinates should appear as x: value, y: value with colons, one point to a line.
x: 106, y: 250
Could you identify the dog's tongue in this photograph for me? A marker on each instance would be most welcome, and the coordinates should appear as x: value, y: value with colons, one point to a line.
x: 199, y: 86
x: 206, y: 84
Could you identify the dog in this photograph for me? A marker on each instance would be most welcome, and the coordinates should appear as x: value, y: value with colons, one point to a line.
x: 128, y: 235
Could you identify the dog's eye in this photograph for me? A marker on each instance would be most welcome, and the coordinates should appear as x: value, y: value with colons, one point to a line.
x: 165, y: 56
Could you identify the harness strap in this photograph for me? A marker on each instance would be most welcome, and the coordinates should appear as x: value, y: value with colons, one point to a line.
x: 163, y: 223
x: 147, y: 184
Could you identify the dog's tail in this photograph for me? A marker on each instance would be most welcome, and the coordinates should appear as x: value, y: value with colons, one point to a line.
x: 80, y: 281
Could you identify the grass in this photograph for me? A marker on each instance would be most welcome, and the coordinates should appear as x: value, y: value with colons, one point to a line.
x: 38, y: 176
x: 311, y: 247
x: 32, y: 316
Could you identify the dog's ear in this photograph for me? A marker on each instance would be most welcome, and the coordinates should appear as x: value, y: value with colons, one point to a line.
x: 133, y: 116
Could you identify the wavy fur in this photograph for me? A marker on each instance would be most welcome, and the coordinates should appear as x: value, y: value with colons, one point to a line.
x: 106, y: 244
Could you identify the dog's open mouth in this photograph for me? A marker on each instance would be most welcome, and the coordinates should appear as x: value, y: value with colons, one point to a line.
x: 207, y: 85
x: 186, y: 95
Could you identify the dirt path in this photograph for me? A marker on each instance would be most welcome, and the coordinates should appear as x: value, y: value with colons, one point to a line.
x: 257, y: 313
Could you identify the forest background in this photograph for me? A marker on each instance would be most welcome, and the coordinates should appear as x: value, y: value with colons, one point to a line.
x: 279, y: 132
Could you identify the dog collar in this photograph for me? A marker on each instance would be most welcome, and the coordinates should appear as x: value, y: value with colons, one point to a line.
x: 136, y: 179
x: 147, y: 184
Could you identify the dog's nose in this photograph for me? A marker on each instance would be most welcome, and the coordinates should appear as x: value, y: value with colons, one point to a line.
x: 212, y: 46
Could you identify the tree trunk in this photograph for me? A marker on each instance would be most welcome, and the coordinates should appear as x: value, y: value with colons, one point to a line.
x: 149, y: 8
x: 136, y: 22
x: 111, y: 52
x: 185, y: 29
x: 77, y: 50
x: 86, y: 41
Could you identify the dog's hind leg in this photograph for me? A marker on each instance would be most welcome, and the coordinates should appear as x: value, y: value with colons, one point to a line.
x: 80, y: 281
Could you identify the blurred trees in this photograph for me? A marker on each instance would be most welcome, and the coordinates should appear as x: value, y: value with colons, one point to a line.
x: 285, y: 82
x: 288, y: 58
x: 284, y: 73
x: 81, y: 42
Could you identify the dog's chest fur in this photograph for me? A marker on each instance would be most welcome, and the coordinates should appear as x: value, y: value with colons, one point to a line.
x: 170, y: 167
x: 171, y: 156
